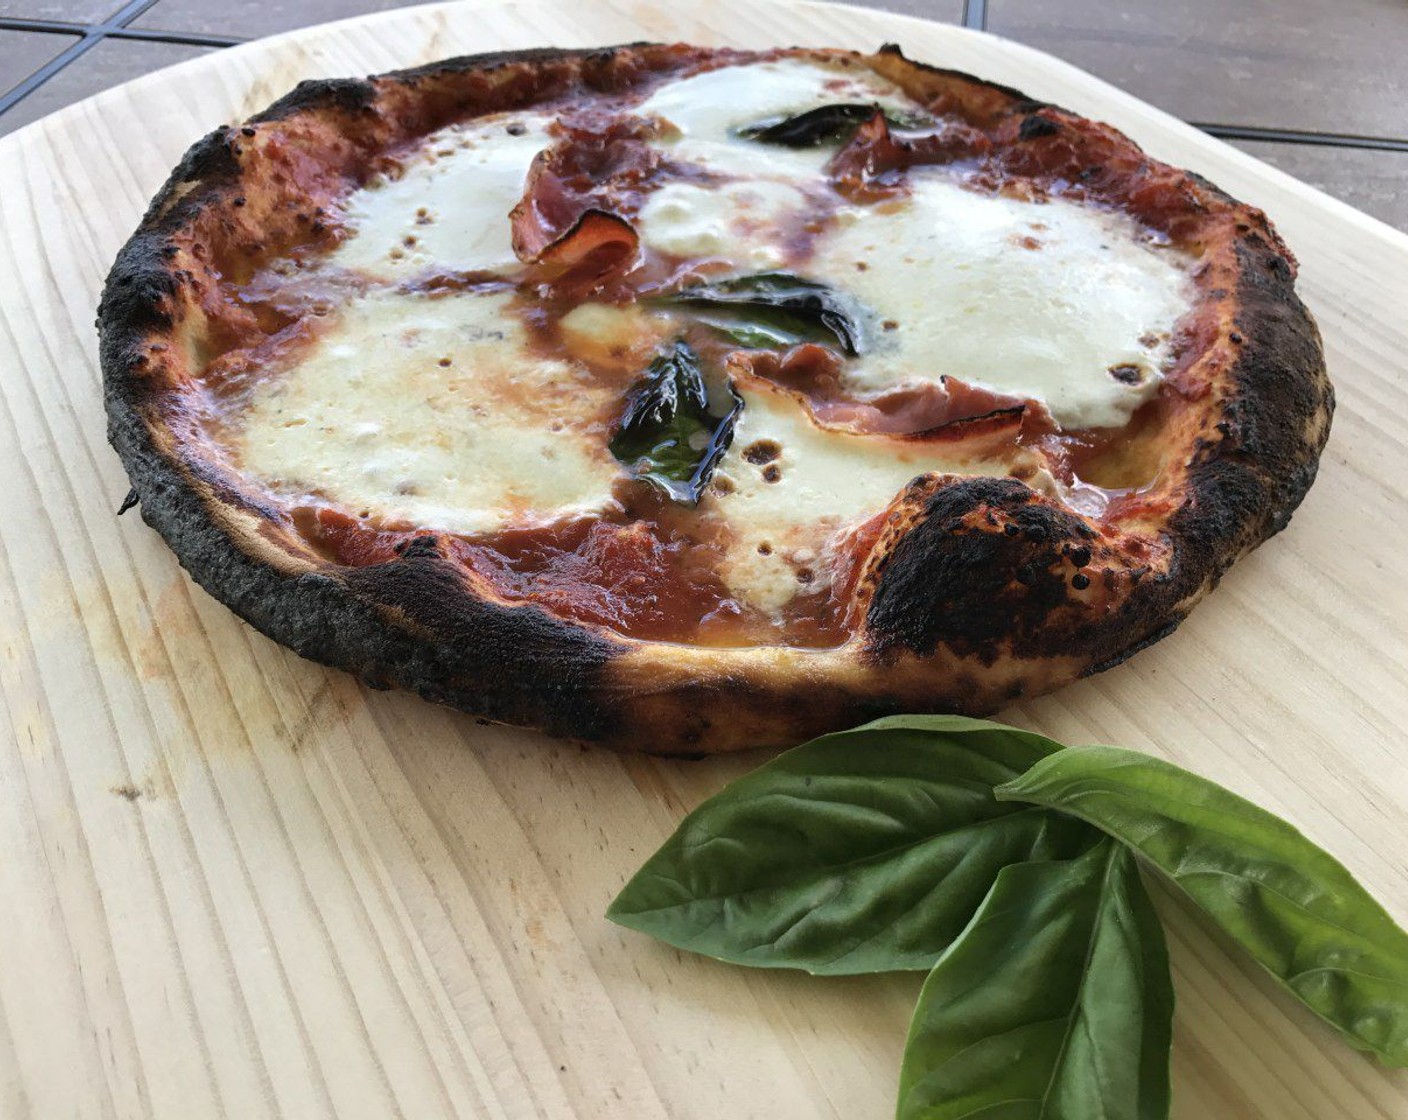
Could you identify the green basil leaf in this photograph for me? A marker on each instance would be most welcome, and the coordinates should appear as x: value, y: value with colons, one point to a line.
x: 668, y: 435
x: 863, y: 851
x: 1054, y: 1004
x: 825, y: 124
x: 1291, y: 905
x: 760, y: 330
x: 805, y: 310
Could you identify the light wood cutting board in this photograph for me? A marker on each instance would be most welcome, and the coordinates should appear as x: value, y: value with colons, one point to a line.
x: 236, y: 884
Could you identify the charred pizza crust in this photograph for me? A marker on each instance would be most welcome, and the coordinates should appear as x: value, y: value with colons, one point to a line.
x: 980, y: 591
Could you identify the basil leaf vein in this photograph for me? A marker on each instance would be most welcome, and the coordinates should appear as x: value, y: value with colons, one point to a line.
x: 1288, y: 903
x: 863, y: 851
x: 1055, y: 1002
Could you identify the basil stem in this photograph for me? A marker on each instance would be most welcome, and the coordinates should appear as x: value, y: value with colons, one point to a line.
x: 669, y: 436
x: 1056, y: 1001
x: 1288, y: 903
x: 863, y: 851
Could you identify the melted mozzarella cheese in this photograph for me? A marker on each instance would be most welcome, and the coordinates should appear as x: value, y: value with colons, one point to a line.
x: 1033, y: 300
x: 705, y: 109
x: 433, y: 411
x: 436, y: 412
x: 615, y: 337
x: 746, y: 222
x: 448, y: 207
x: 784, y: 512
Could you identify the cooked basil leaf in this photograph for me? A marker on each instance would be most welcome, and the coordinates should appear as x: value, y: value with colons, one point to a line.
x: 825, y: 124
x: 863, y: 851
x: 1291, y: 905
x: 1055, y: 1002
x: 751, y: 331
x: 802, y: 310
x: 669, y: 436
x: 809, y: 129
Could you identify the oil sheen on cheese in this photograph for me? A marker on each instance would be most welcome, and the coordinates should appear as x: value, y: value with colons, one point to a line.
x: 789, y: 486
x: 432, y: 412
x: 447, y: 205
x: 1036, y: 300
x: 704, y: 112
x: 435, y: 411
x: 746, y: 223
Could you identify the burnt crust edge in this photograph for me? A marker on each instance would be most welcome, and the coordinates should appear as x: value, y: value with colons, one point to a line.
x: 412, y: 624
x: 1240, y: 490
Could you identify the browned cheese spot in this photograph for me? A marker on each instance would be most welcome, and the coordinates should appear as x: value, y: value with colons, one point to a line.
x: 762, y: 451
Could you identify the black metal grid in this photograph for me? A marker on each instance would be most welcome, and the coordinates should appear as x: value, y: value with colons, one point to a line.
x: 86, y: 37
x: 118, y: 26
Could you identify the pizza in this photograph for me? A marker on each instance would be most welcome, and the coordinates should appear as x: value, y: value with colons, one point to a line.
x: 685, y: 399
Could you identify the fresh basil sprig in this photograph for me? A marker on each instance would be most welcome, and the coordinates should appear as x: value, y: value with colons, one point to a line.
x: 1289, y: 904
x: 920, y: 839
x: 793, y: 308
x: 1055, y: 1001
x: 862, y: 851
x: 668, y: 435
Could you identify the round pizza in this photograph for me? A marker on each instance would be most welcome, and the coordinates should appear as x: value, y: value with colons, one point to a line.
x: 687, y: 399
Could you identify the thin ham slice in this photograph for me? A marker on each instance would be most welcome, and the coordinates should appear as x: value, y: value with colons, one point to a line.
x: 871, y: 165
x: 572, y: 224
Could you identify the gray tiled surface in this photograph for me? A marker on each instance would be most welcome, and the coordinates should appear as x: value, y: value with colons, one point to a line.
x: 1318, y: 65
x: 248, y: 20
x: 23, y: 52
x: 1375, y: 182
x: 1332, y: 65
x: 945, y: 11
x: 70, y: 11
x: 110, y: 63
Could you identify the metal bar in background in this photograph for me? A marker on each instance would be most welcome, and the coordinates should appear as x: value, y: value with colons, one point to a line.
x: 975, y: 16
x: 185, y: 38
x: 140, y: 34
x: 1299, y: 136
x: 14, y: 96
x: 49, y: 26
x: 89, y: 37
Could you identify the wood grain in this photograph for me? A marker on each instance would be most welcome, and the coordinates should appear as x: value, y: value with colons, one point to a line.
x: 239, y: 885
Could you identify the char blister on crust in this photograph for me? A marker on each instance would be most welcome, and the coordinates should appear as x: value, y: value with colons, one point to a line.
x: 981, y: 590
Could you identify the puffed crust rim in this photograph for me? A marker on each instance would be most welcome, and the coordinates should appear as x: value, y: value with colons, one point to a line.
x: 934, y: 636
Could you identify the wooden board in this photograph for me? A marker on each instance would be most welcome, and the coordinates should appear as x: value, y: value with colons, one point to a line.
x: 238, y: 885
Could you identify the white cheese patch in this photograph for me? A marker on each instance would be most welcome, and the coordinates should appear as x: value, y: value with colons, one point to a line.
x: 436, y: 412
x: 432, y: 411
x: 825, y: 481
x: 744, y: 222
x: 612, y: 335
x: 705, y: 109
x: 1037, y: 300
x: 449, y: 207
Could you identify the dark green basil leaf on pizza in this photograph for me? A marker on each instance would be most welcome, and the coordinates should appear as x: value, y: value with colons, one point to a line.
x: 755, y: 332
x: 800, y: 310
x: 671, y: 434
x: 1290, y: 904
x: 1055, y: 1001
x: 862, y: 851
x: 826, y: 124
